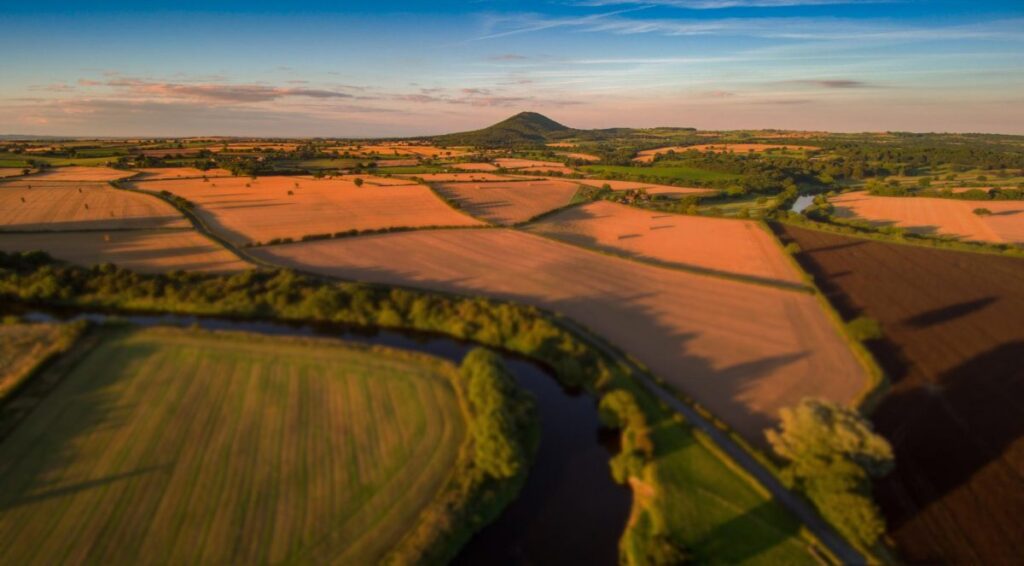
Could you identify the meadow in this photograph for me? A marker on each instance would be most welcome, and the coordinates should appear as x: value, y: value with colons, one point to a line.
x: 200, y: 447
x: 665, y: 171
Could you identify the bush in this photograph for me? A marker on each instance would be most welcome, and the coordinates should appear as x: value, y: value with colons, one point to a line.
x: 832, y: 455
x: 982, y: 212
x: 863, y: 328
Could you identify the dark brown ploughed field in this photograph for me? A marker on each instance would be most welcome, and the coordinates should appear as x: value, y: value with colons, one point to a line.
x: 954, y: 351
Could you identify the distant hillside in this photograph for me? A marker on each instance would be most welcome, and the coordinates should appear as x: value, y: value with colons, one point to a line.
x: 523, y: 129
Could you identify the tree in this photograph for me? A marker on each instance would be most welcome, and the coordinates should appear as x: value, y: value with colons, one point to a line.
x: 832, y: 454
x: 358, y: 181
x: 982, y: 212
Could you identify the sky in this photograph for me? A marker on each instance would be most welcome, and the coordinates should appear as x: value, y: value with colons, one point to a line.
x: 404, y: 68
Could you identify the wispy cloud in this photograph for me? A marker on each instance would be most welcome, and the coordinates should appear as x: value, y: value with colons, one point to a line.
x: 722, y: 4
x: 830, y: 83
x: 793, y: 28
x: 223, y: 93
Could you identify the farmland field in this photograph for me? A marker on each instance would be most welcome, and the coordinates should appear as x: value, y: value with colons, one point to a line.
x: 665, y: 171
x: 474, y: 166
x: 32, y: 204
x: 10, y: 171
x: 150, y: 251
x: 743, y: 350
x: 200, y: 447
x: 649, y: 188
x: 547, y: 170
x: 732, y: 246
x: 75, y: 173
x: 937, y: 215
x: 513, y: 163
x: 647, y: 155
x: 457, y: 177
x: 161, y: 173
x: 510, y: 201
x: 265, y: 210
x: 954, y: 345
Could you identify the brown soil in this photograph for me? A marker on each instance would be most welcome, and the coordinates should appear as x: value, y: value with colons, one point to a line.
x: 954, y: 350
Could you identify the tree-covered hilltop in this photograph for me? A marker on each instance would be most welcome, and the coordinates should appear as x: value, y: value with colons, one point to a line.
x: 523, y: 129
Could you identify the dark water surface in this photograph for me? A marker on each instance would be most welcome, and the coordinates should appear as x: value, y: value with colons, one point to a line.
x: 569, y: 511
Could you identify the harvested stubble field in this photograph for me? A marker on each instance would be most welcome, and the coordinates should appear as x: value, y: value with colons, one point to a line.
x: 474, y: 166
x: 648, y: 155
x: 77, y: 173
x: 953, y: 348
x: 581, y: 156
x: 397, y: 162
x: 513, y: 163
x: 561, y: 169
x: 161, y: 173
x: 509, y: 202
x: 372, y: 180
x: 10, y: 172
x: 457, y: 177
x: 744, y: 350
x: 731, y: 246
x: 45, y: 205
x: 941, y: 216
x: 649, y: 188
x: 203, y: 448
x: 150, y: 251
x: 264, y: 210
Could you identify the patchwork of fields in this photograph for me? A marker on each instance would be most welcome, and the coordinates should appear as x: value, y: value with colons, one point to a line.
x: 953, y: 348
x: 228, y: 448
x: 648, y: 155
x: 743, y: 350
x: 937, y: 215
x: 244, y: 210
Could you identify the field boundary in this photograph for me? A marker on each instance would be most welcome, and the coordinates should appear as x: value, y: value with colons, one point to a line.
x: 878, y: 382
x: 686, y: 268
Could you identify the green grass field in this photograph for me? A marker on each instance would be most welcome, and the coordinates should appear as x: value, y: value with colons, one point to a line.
x: 21, y: 160
x: 720, y: 517
x: 187, y: 447
x: 668, y: 171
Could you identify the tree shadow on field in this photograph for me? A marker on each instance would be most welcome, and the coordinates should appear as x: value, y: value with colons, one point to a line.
x: 948, y: 313
x: 965, y: 429
x: 80, y: 405
x: 736, y: 540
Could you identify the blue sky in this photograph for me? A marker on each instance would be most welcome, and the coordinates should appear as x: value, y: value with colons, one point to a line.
x: 409, y: 68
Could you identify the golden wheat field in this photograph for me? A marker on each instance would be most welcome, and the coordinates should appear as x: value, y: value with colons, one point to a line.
x: 149, y: 251
x: 244, y: 210
x: 509, y: 202
x: 720, y: 244
x: 52, y: 205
